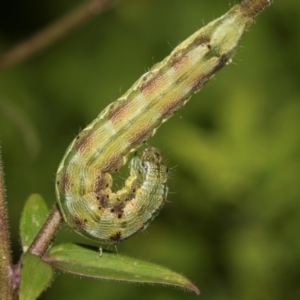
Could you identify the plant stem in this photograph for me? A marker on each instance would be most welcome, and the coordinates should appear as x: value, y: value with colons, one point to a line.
x: 54, y: 32
x: 6, y: 269
x: 46, y: 234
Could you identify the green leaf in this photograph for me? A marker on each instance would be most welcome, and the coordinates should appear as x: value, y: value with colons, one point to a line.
x: 35, y: 276
x: 33, y: 217
x: 89, y: 262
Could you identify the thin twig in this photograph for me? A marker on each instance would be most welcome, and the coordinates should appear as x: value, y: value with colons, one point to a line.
x: 53, y: 32
x: 46, y: 234
x: 6, y: 269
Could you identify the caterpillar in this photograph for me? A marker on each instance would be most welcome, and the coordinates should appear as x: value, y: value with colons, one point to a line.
x: 84, y: 181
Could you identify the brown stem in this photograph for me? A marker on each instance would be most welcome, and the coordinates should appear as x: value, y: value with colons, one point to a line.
x: 54, y: 32
x: 6, y: 269
x: 47, y: 233
x: 252, y: 7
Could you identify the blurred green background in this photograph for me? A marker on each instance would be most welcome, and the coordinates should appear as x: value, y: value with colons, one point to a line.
x: 232, y: 222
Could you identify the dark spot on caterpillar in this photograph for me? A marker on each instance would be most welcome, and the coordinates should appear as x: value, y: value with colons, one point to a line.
x: 102, y: 200
x: 213, y: 52
x: 79, y: 223
x: 118, y: 210
x: 148, y: 76
x: 133, y: 190
x: 57, y: 182
x: 64, y: 183
x: 102, y: 184
x: 116, y: 237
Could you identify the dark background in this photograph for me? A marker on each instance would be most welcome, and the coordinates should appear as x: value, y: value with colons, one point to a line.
x: 232, y: 221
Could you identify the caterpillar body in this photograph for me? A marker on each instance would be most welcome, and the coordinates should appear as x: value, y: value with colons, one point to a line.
x: 83, y: 180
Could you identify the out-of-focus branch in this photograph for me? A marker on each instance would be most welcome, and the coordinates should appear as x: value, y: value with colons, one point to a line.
x: 55, y: 31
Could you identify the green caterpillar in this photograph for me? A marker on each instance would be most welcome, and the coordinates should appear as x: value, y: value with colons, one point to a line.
x: 83, y: 180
